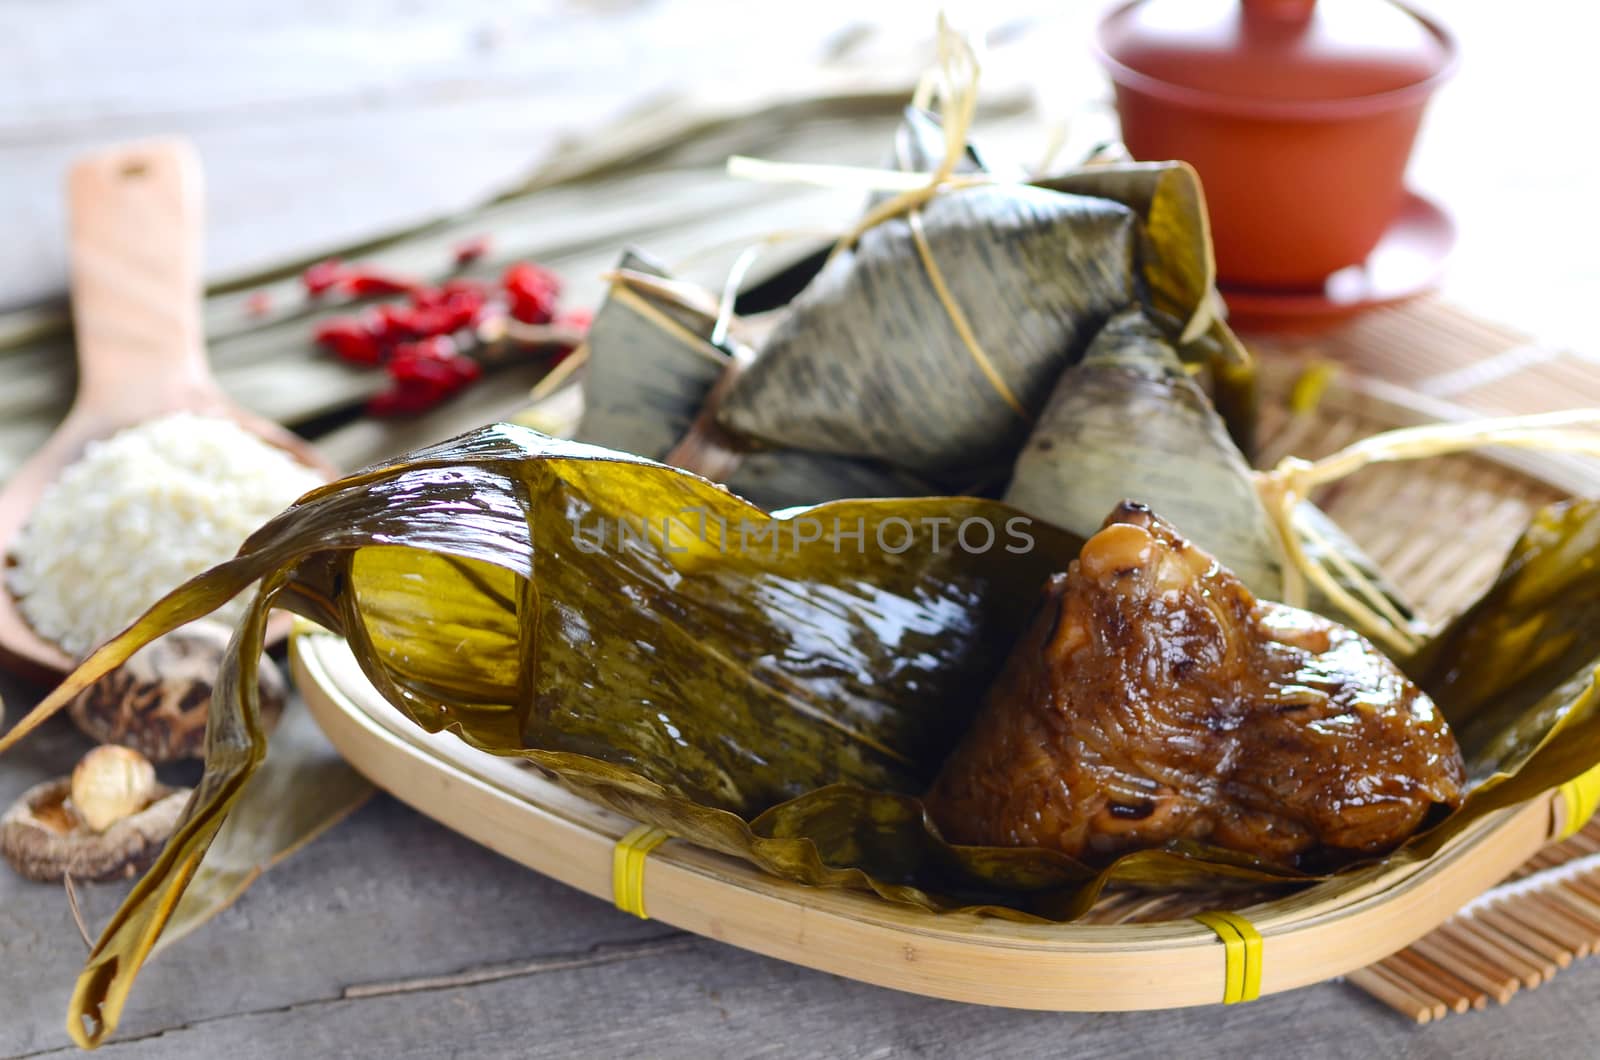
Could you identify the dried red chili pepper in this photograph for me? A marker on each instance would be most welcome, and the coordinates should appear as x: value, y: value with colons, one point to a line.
x: 350, y: 340
x: 470, y: 250
x: 394, y: 323
x: 366, y: 283
x: 461, y: 285
x: 411, y: 367
x: 418, y: 341
x: 532, y: 291
x: 434, y: 360
x: 430, y: 321
x: 433, y: 348
x: 428, y: 297
x: 322, y: 277
x: 403, y: 399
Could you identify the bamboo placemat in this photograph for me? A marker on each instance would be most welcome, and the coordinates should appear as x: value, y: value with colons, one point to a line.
x: 1517, y: 936
x: 1445, y: 355
x: 1450, y: 363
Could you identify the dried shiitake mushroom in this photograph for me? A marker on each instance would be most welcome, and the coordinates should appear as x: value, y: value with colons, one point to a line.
x: 108, y: 820
x: 157, y: 701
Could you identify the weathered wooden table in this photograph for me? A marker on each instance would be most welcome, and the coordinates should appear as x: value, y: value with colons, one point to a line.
x: 393, y: 937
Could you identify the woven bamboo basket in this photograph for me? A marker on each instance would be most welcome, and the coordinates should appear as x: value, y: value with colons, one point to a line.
x: 1440, y: 528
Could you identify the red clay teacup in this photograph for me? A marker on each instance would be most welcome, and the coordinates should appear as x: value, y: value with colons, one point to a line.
x: 1298, y: 116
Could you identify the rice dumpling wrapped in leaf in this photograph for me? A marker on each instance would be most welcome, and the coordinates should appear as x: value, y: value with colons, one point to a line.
x: 869, y: 363
x: 1129, y: 421
x: 1176, y: 263
x: 1179, y: 274
x: 867, y: 366
x: 933, y: 339
x: 649, y: 366
x: 812, y: 685
x: 652, y: 370
x: 1155, y: 699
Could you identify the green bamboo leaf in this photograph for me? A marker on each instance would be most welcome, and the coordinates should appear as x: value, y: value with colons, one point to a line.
x: 772, y: 687
x: 303, y: 789
x: 1175, y: 234
x: 1515, y: 667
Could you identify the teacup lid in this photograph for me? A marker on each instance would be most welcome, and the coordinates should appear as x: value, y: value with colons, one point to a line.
x: 1276, y: 50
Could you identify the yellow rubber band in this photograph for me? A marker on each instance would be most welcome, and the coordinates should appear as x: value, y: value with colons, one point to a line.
x: 627, y: 868
x: 1241, y: 944
x: 1581, y: 796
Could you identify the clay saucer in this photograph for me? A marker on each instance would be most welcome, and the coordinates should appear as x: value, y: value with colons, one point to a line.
x: 1409, y: 260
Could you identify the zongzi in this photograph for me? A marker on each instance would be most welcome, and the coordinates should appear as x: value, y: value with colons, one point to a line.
x: 1155, y: 699
x: 653, y: 372
x: 783, y: 704
x: 1127, y: 420
x: 869, y: 362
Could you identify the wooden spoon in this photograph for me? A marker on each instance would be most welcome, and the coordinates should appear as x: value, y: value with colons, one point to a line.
x: 135, y: 251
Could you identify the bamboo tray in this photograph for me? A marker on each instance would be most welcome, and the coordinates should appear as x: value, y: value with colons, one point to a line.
x: 1440, y: 528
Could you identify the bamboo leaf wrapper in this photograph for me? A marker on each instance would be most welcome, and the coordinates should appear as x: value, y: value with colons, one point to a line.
x: 778, y: 699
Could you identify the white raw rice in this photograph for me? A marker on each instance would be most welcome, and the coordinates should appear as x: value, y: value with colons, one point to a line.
x: 140, y: 513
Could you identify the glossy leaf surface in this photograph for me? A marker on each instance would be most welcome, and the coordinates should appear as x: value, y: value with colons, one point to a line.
x: 772, y: 687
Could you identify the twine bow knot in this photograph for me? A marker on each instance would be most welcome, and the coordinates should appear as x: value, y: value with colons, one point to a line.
x: 951, y: 88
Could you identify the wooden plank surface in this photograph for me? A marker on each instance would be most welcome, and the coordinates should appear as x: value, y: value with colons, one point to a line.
x: 353, y: 949
x: 693, y: 998
x: 321, y: 123
x: 371, y: 903
x: 324, y: 123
